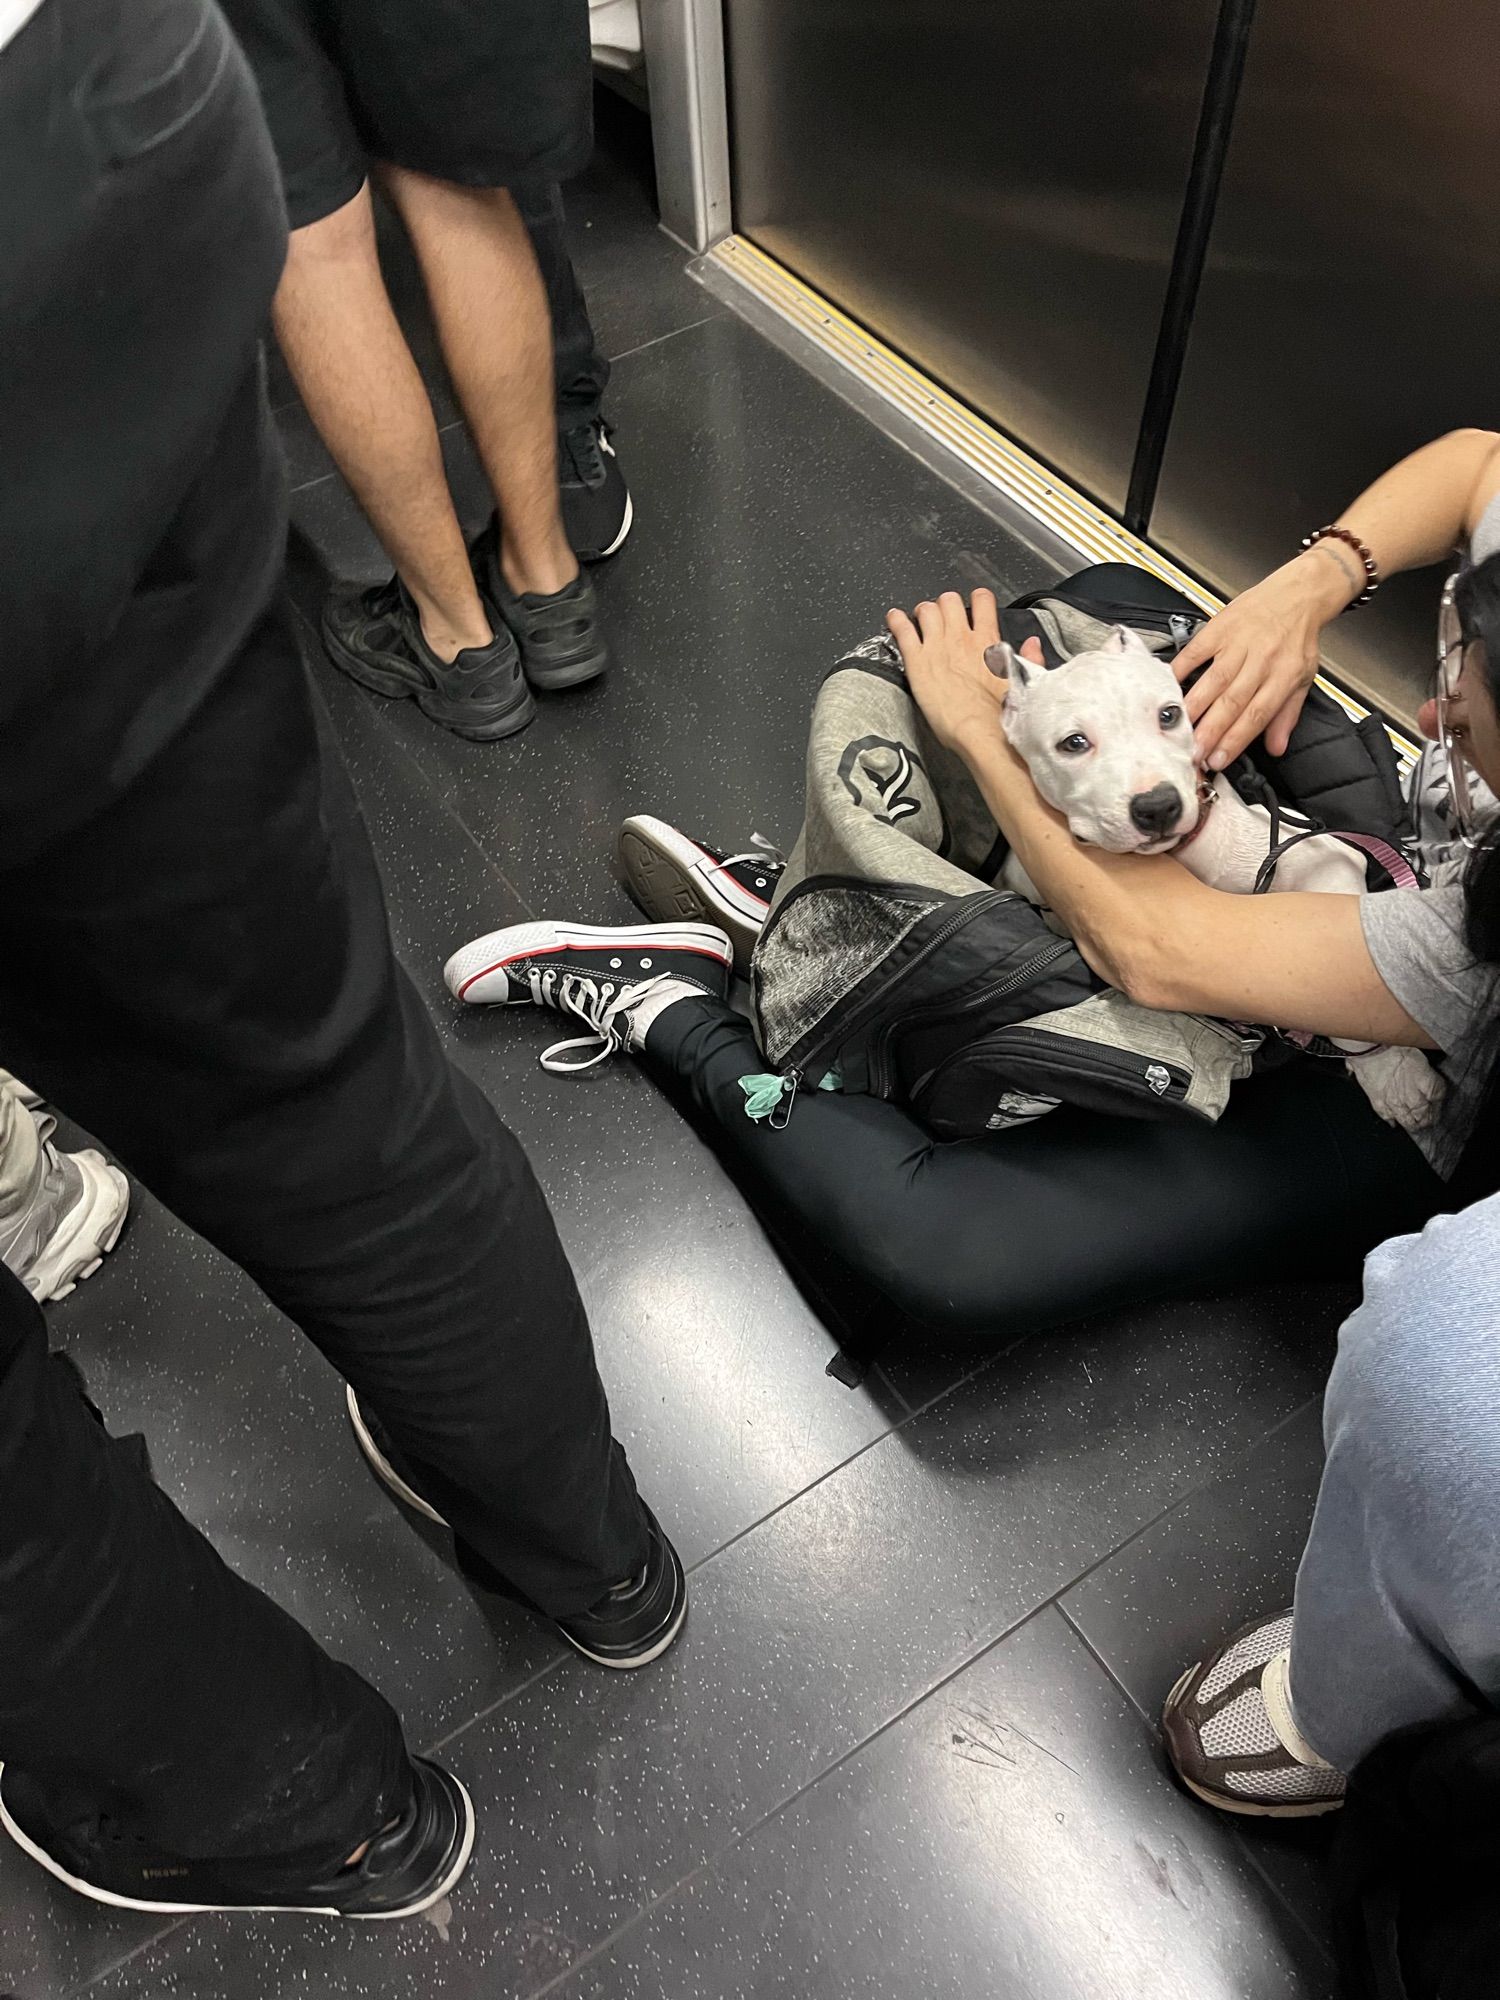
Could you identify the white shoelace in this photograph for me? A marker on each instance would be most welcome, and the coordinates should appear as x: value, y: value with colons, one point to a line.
x: 606, y: 1004
x: 763, y: 854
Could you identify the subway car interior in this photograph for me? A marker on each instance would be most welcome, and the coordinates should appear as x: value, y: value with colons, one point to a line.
x: 988, y: 1439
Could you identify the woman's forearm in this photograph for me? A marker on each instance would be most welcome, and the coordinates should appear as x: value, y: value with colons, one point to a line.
x: 1422, y: 509
x: 1104, y: 901
x: 1157, y: 934
x: 1256, y: 659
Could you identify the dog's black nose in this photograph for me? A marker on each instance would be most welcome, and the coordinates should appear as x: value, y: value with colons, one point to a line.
x: 1156, y: 812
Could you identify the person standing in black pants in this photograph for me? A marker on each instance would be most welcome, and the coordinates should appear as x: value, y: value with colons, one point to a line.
x: 598, y: 512
x: 196, y: 960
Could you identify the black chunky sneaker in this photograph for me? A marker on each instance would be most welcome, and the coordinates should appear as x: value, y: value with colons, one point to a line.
x: 596, y: 506
x: 631, y: 1625
x: 375, y: 636
x: 672, y: 876
x: 616, y: 978
x: 557, y: 631
x: 407, y: 1868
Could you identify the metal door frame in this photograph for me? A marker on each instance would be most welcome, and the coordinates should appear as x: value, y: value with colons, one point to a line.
x: 683, y: 42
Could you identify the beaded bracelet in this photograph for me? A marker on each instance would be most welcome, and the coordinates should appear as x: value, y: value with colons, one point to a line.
x: 1348, y: 536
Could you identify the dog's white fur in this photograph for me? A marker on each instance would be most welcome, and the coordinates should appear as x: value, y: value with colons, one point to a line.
x: 1109, y: 727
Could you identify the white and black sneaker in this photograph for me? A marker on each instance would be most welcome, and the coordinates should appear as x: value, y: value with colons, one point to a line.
x: 615, y: 978
x: 672, y: 876
x: 632, y: 1624
x: 596, y: 506
x: 407, y: 1867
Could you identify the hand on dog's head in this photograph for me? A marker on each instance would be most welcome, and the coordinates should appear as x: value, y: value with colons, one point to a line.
x: 1107, y: 741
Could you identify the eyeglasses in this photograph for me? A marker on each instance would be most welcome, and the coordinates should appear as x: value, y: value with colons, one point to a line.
x: 1452, y: 729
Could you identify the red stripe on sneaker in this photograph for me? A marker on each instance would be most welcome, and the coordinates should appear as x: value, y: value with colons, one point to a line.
x: 739, y: 887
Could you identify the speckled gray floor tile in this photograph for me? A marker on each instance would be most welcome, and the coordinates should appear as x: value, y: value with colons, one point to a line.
x: 1227, y: 1554
x: 1009, y: 1839
x: 807, y: 1636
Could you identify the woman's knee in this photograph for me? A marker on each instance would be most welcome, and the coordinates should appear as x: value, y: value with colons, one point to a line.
x: 1411, y: 1400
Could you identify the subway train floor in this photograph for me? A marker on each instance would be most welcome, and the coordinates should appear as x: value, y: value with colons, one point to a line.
x: 906, y: 1746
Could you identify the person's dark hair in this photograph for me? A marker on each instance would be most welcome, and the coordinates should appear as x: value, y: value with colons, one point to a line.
x: 1478, y: 1170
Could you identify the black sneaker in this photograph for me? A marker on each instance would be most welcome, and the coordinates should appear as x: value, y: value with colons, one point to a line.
x: 557, y: 631
x: 672, y: 876
x: 375, y: 636
x: 631, y: 1625
x: 615, y: 978
x: 405, y: 1870
x: 596, y: 505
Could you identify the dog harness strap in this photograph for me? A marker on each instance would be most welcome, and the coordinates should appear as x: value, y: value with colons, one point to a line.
x: 1391, y: 859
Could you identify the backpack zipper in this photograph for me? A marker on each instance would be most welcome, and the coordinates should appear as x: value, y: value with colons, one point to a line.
x: 1011, y: 983
x: 797, y: 1073
x: 1089, y: 1059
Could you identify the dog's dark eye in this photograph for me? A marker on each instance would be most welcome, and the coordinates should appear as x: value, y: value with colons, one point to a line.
x: 1074, y: 745
x: 1171, y: 715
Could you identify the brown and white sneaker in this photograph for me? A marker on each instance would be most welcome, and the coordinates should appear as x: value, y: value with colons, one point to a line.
x: 1231, y: 1736
x: 672, y: 876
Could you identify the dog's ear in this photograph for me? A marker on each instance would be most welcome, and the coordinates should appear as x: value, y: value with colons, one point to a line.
x: 1006, y: 664
x: 1123, y: 640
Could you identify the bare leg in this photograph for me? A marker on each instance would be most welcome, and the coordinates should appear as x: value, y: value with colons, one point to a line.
x: 362, y: 389
x: 491, y: 311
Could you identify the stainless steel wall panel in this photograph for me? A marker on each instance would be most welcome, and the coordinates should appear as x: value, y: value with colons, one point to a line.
x: 1351, y: 300
x: 993, y: 186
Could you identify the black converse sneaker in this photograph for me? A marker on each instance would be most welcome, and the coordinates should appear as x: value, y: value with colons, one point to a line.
x: 672, y: 876
x: 407, y: 1867
x: 596, y: 506
x: 632, y: 1624
x: 375, y: 636
x: 615, y: 978
x: 557, y: 631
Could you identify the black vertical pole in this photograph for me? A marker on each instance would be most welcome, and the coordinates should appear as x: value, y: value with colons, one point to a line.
x: 1226, y: 67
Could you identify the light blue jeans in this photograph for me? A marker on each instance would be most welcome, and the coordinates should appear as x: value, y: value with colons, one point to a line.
x: 1398, y: 1595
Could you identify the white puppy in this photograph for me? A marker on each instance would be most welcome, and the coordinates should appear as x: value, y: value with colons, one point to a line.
x: 1109, y: 746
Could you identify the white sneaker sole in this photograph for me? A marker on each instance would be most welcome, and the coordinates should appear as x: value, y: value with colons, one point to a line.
x: 86, y: 1234
x: 117, y: 1902
x: 381, y: 1466
x: 672, y: 877
x: 626, y: 522
x: 477, y: 974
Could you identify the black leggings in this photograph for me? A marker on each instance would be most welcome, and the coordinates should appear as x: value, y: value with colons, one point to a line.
x: 1048, y: 1222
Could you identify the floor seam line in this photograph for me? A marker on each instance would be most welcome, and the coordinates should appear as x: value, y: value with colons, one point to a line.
x: 136, y: 1951
x: 1193, y: 1492
x: 657, y: 338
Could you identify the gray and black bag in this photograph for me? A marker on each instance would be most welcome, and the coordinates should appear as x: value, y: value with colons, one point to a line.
x: 891, y: 964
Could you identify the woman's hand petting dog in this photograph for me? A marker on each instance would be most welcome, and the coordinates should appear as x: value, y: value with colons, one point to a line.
x: 942, y: 648
x: 1261, y: 654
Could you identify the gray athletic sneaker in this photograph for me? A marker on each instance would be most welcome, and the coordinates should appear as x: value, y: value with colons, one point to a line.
x: 68, y: 1226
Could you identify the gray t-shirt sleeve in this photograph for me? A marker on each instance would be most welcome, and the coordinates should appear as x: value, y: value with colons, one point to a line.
x: 1486, y: 537
x: 1416, y: 938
